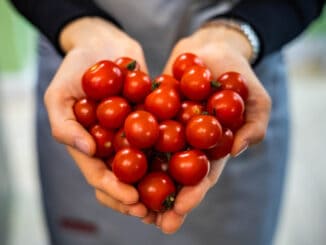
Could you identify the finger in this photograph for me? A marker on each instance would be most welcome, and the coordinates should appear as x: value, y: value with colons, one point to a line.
x: 190, y: 196
x: 258, y: 107
x: 137, y: 209
x: 59, y: 99
x: 98, y: 176
x: 170, y: 222
x: 149, y: 218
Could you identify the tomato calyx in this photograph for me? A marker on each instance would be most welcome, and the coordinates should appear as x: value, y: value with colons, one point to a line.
x: 168, y: 202
x: 132, y: 65
x: 215, y: 84
x: 155, y: 85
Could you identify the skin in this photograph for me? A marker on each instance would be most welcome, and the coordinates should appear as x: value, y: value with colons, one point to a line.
x: 87, y: 40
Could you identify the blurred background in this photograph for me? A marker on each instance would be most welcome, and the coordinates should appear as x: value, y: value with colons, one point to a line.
x: 303, y: 216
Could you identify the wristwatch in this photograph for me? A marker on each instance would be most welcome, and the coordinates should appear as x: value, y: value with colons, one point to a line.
x: 245, y: 29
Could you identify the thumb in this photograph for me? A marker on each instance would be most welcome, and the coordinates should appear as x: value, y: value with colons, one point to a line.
x: 64, y: 127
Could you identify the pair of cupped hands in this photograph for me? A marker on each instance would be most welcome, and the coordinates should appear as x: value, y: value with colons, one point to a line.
x: 90, y: 39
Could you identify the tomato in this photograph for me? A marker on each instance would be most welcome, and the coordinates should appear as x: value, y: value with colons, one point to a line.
x: 137, y: 86
x: 188, y: 110
x: 184, y: 61
x: 120, y: 140
x: 171, y: 138
x: 189, y: 167
x: 228, y: 107
x: 166, y: 80
x: 129, y: 165
x: 104, y: 141
x: 141, y: 129
x: 223, y: 146
x: 159, y: 164
x: 234, y: 81
x: 157, y: 191
x: 102, y: 80
x: 85, y: 112
x: 196, y: 83
x: 127, y: 64
x: 203, y: 131
x: 112, y: 112
x: 164, y: 103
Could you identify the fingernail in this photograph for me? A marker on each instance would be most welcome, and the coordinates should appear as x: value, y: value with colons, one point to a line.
x: 135, y: 213
x: 82, y: 146
x: 243, y: 148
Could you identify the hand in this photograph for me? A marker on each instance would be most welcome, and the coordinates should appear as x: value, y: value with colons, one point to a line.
x: 86, y: 41
x: 222, y: 49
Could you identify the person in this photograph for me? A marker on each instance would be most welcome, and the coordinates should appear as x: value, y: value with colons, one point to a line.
x: 246, y: 36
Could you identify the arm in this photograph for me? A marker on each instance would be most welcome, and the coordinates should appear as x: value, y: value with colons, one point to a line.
x: 277, y: 22
x: 51, y: 16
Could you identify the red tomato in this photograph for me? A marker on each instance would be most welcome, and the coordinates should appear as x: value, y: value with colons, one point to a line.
x: 127, y: 64
x: 85, y: 112
x: 188, y: 110
x: 184, y: 61
x: 104, y: 141
x: 166, y: 80
x: 141, y: 129
x: 159, y: 164
x: 234, y: 81
x: 120, y: 140
x: 157, y: 191
x: 137, y: 86
x: 112, y: 112
x: 102, y: 80
x: 203, y: 131
x: 171, y: 138
x: 189, y: 167
x: 129, y: 165
x: 223, y: 146
x: 228, y: 107
x: 196, y: 83
x: 164, y: 103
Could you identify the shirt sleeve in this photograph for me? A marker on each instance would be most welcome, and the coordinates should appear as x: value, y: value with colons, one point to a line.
x: 276, y: 22
x: 51, y: 16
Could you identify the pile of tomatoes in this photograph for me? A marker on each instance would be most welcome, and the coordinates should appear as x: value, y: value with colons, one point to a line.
x: 160, y: 135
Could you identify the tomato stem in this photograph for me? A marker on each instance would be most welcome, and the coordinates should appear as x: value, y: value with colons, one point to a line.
x: 155, y: 85
x: 215, y: 84
x: 132, y: 65
x: 169, y: 202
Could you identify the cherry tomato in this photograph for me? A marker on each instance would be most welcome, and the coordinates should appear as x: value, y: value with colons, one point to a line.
x: 234, y: 81
x: 184, y: 61
x: 102, y: 80
x: 188, y: 110
x: 159, y: 164
x: 120, y: 140
x: 228, y: 107
x: 129, y: 165
x: 85, y: 112
x: 157, y: 191
x: 137, y: 86
x: 223, y: 146
x: 164, y: 103
x: 166, y: 80
x: 141, y: 129
x: 112, y: 112
x: 189, y: 167
x: 104, y: 141
x: 127, y: 64
x: 171, y: 138
x: 203, y: 131
x: 196, y: 83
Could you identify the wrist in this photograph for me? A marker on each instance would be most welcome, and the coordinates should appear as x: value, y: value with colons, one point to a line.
x: 85, y: 30
x: 238, y: 34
